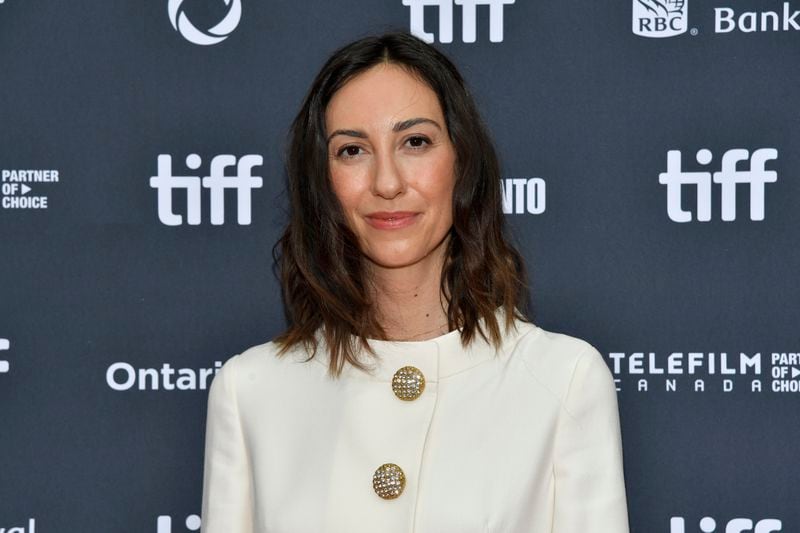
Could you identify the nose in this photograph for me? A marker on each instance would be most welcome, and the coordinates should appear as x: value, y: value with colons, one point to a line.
x: 388, y: 180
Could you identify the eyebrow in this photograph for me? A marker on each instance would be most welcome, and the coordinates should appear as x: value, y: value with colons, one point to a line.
x: 398, y: 126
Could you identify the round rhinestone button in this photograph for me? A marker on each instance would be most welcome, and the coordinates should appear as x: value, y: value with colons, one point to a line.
x: 408, y: 383
x: 388, y: 481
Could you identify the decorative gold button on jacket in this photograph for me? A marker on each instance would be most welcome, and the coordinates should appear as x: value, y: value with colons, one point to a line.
x: 389, y: 481
x: 408, y: 383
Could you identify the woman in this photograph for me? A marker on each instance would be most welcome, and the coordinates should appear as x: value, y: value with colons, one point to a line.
x: 409, y: 392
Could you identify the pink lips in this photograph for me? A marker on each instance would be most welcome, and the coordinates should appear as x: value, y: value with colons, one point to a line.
x: 391, y: 219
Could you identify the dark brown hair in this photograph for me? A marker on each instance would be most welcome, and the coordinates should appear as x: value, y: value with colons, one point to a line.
x: 320, y: 265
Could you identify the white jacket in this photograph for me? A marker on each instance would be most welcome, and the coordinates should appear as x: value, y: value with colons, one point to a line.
x: 524, y: 440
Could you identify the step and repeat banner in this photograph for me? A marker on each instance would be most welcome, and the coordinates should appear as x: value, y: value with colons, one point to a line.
x: 651, y: 178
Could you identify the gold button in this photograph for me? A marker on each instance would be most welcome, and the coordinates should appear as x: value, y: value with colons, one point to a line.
x: 408, y: 383
x: 388, y: 481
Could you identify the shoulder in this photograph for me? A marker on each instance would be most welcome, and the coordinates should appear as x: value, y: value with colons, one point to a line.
x: 558, y: 361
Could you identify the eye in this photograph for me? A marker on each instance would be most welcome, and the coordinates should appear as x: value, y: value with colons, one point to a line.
x: 417, y: 142
x: 348, y: 152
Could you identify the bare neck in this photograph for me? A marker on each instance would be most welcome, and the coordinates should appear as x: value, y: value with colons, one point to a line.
x: 409, y: 301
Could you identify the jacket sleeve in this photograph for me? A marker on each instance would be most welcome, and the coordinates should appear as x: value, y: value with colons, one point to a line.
x: 589, y: 480
x: 227, y: 490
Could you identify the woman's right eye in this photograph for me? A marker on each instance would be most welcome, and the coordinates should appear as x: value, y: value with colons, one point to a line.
x: 348, y: 152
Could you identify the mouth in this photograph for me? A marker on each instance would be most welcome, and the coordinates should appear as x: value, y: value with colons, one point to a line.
x: 391, y: 220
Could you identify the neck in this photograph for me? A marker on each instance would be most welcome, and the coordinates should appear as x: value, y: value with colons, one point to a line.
x: 408, y: 299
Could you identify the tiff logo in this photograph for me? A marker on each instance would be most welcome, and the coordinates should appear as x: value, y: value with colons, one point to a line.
x: 5, y: 344
x: 737, y: 525
x: 216, y: 181
x: 164, y: 523
x: 728, y: 177
x: 469, y: 10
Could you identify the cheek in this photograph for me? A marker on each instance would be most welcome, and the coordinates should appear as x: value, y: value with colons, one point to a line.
x: 347, y: 187
x: 436, y: 182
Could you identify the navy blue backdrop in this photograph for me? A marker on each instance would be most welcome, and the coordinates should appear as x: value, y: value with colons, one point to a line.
x: 650, y: 162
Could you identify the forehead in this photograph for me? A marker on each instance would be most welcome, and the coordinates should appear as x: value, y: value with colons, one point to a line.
x: 380, y: 96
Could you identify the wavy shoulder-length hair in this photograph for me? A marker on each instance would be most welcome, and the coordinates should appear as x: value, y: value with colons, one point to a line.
x: 321, y: 268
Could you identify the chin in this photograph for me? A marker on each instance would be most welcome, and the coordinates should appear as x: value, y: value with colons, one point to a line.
x: 400, y: 260
x: 402, y: 254
x: 393, y: 261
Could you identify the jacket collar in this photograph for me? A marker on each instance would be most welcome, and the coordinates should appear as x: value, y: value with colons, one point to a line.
x: 436, y: 358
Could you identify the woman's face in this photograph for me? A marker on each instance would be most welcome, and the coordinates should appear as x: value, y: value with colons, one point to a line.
x: 391, y: 164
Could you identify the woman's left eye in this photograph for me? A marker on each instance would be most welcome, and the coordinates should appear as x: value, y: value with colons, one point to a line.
x: 418, y: 141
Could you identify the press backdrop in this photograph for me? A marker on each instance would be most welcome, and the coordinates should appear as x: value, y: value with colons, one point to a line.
x: 650, y: 160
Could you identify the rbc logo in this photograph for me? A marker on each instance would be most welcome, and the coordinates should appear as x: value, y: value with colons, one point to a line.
x: 468, y: 19
x: 660, y: 18
x: 216, y: 181
x: 756, y: 176
x: 737, y: 525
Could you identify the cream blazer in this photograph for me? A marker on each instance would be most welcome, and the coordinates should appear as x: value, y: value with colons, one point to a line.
x: 524, y: 439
